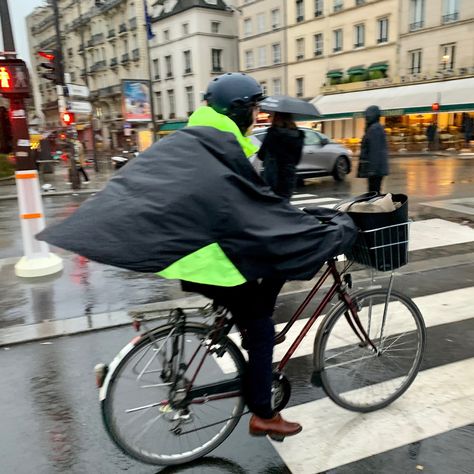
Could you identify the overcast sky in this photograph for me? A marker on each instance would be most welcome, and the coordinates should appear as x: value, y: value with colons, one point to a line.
x: 19, y: 9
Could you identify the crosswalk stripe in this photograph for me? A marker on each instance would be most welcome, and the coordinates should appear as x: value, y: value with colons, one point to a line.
x: 315, y: 201
x: 437, y: 309
x: 333, y: 436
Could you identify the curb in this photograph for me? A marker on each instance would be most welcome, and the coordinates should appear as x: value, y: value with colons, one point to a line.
x: 54, y: 193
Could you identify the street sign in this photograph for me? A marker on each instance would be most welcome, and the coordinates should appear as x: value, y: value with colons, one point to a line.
x: 79, y: 107
x: 14, y: 78
x: 75, y: 90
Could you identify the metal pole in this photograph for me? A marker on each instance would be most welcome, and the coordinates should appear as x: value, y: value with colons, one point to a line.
x: 150, y: 74
x: 75, y: 180
x: 8, y: 41
x: 86, y: 81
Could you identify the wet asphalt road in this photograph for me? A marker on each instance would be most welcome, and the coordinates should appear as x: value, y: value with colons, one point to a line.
x: 50, y: 418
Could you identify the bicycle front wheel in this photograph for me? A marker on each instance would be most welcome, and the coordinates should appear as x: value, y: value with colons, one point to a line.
x: 138, y: 408
x: 366, y: 372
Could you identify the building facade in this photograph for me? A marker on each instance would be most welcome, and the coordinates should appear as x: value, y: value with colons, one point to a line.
x: 103, y: 42
x: 193, y: 41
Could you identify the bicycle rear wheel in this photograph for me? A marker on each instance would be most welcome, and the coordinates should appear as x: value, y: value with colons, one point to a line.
x: 361, y: 377
x: 137, y: 406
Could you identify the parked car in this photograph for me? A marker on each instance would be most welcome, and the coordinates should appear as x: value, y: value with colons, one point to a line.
x: 321, y: 156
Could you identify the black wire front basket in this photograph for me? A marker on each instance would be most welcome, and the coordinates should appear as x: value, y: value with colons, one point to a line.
x: 384, y: 249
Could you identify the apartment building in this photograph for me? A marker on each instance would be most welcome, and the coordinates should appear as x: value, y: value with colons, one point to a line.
x: 263, y: 43
x: 103, y: 42
x: 194, y: 40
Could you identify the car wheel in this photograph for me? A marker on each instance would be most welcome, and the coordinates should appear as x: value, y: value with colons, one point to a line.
x: 341, y: 168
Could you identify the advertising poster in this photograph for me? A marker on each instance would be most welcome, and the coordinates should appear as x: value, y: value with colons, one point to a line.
x: 136, y: 101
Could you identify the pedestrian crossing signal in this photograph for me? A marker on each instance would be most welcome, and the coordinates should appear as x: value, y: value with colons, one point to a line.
x: 14, y: 78
x: 67, y: 118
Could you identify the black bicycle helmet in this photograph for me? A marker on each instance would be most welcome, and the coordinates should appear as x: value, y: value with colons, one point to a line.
x: 234, y: 94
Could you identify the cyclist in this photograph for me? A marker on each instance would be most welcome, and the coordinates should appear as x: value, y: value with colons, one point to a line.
x: 192, y: 208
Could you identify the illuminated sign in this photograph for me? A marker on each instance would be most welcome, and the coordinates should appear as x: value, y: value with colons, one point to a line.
x: 14, y: 78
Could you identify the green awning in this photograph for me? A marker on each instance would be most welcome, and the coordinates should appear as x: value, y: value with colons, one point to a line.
x: 172, y: 126
x: 380, y: 66
x: 334, y: 73
x: 356, y: 70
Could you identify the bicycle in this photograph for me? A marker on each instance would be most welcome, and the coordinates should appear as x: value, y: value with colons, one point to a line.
x: 174, y: 394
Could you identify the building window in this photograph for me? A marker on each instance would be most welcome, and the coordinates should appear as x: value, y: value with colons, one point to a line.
x: 190, y: 99
x: 215, y: 25
x: 338, y: 5
x: 299, y: 49
x: 447, y: 56
x: 216, y: 56
x: 417, y: 14
x: 318, y: 44
x: 159, y: 106
x: 276, y: 86
x: 450, y: 10
x: 156, y: 69
x: 275, y: 18
x: 247, y: 27
x: 360, y: 2
x: 187, y: 62
x: 382, y: 30
x: 337, y: 36
x: 185, y: 28
x: 359, y: 36
x: 248, y: 59
x: 171, y: 104
x: 299, y: 87
x: 169, y: 66
x: 166, y: 35
x: 264, y: 87
x: 318, y: 8
x: 260, y: 22
x: 262, y: 56
x: 415, y: 61
x: 276, y: 53
x: 299, y: 10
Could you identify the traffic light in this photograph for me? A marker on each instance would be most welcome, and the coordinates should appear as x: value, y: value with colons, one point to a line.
x: 68, y: 118
x: 14, y: 78
x: 53, y: 70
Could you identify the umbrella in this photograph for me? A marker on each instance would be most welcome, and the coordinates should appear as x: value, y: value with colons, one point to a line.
x: 300, y: 109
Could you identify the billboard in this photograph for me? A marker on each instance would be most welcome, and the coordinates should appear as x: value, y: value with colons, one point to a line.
x: 136, y: 100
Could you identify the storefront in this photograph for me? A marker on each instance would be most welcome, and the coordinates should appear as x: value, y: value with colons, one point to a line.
x: 407, y: 112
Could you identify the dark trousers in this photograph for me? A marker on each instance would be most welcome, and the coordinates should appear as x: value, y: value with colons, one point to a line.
x: 80, y: 169
x: 251, y: 305
x: 375, y: 183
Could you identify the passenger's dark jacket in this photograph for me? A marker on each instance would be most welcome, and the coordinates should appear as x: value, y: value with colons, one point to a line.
x: 281, y: 152
x: 373, y: 151
x: 192, y: 207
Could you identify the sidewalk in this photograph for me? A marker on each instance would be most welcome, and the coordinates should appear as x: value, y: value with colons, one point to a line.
x: 59, y: 181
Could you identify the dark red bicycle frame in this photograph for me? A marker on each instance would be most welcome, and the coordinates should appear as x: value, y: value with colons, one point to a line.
x: 226, y: 389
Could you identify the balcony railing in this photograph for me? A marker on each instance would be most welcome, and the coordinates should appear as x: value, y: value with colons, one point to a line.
x: 451, y: 17
x: 125, y: 58
x: 336, y: 49
x: 136, y: 54
x: 318, y: 52
x: 416, y: 25
x: 132, y: 23
x: 216, y: 69
x: 383, y: 39
x: 111, y: 34
x: 187, y: 70
x: 122, y: 28
x: 98, y: 66
x: 113, y: 62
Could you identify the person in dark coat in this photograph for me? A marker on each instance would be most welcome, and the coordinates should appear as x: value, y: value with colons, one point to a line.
x: 281, y: 152
x: 431, y: 135
x: 373, y: 162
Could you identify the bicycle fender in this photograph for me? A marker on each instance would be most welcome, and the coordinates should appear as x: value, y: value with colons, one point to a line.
x: 114, y: 364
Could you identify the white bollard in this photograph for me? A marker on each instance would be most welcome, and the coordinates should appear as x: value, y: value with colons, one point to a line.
x: 37, y: 260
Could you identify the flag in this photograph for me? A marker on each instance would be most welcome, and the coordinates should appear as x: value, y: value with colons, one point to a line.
x: 149, y: 30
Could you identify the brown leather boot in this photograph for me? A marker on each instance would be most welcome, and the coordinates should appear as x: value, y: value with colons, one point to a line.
x: 277, y: 428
